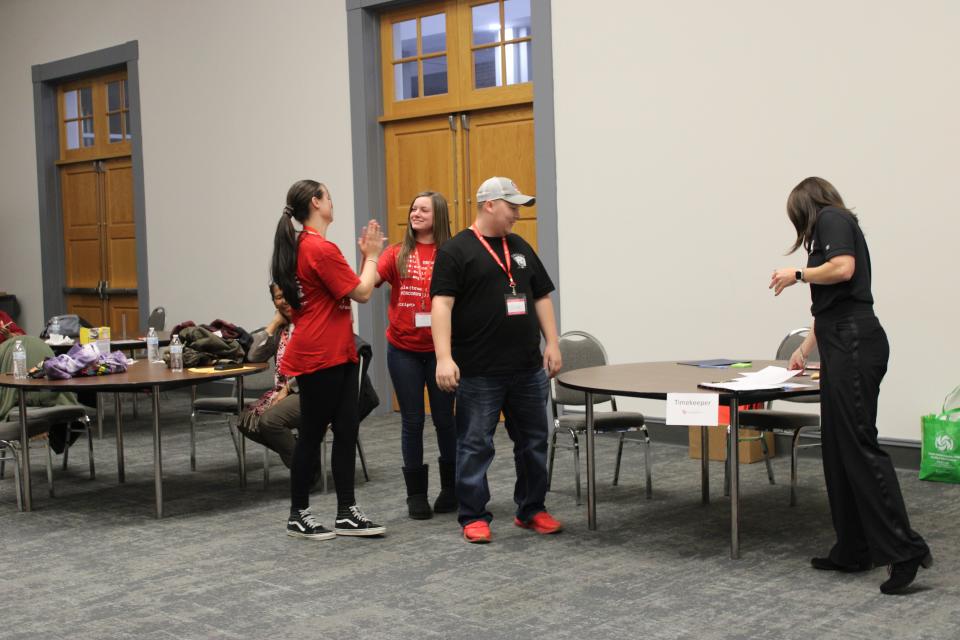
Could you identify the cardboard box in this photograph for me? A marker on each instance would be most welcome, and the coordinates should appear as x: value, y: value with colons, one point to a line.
x: 750, y: 452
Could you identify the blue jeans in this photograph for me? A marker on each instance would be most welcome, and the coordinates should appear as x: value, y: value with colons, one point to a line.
x: 410, y: 371
x: 523, y: 399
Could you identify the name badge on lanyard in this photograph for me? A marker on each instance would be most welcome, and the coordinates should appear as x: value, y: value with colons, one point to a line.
x: 516, y: 304
x: 421, y: 319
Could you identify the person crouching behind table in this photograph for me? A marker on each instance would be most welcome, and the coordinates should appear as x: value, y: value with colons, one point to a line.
x: 491, y: 302
x: 276, y: 415
x: 408, y: 266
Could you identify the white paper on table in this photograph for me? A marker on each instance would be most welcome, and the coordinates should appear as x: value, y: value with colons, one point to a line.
x: 767, y: 378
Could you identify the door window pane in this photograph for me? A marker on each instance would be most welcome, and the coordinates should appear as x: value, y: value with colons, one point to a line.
x: 518, y: 62
x: 126, y: 125
x: 405, y: 39
x: 73, y: 135
x: 126, y: 100
x: 70, y: 105
x: 516, y: 20
x: 486, y: 68
x: 486, y: 23
x: 405, y: 81
x: 116, y: 135
x: 435, y: 76
x: 87, y: 132
x: 113, y: 96
x: 433, y: 36
x: 86, y: 101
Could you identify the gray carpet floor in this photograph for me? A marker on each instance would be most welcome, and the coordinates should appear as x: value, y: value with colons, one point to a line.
x: 94, y: 563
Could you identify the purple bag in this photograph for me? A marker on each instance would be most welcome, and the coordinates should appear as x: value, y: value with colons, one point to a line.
x: 84, y: 360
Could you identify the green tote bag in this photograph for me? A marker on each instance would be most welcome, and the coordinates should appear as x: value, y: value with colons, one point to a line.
x: 940, y: 448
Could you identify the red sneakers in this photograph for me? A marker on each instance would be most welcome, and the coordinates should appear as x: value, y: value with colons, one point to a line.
x: 477, y: 531
x: 542, y: 522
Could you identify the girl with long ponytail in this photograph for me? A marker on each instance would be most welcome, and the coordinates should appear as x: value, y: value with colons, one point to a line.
x: 318, y: 284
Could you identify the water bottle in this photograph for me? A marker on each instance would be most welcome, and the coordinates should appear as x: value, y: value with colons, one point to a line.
x: 103, y: 340
x: 153, y: 346
x: 55, y: 326
x: 19, y: 361
x: 176, y: 354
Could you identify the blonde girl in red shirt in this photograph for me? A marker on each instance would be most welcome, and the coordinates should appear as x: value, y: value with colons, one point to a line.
x: 408, y: 266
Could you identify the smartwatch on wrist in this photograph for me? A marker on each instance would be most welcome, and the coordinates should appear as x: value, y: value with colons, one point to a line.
x: 799, y: 274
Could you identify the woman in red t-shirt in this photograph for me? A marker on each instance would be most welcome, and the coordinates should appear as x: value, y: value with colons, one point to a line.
x: 408, y: 266
x: 318, y: 284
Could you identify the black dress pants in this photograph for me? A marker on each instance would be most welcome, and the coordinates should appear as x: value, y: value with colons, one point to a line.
x: 866, y: 505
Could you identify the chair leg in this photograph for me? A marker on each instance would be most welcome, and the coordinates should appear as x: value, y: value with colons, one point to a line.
x: 647, y: 462
x: 766, y: 457
x: 3, y: 467
x: 266, y: 467
x: 576, y: 462
x: 794, y: 452
x: 553, y: 452
x: 66, y: 448
x: 16, y: 478
x: 136, y: 394
x: 363, y: 460
x: 616, y: 467
x: 50, y: 463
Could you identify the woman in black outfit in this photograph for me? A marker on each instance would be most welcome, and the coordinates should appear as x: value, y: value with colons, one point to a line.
x: 866, y: 505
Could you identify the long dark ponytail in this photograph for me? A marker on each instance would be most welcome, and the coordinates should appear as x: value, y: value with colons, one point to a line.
x: 283, y: 265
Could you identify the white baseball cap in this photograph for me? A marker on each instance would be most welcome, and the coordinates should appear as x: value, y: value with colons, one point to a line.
x: 497, y: 188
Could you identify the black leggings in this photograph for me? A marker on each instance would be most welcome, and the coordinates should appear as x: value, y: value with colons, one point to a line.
x: 327, y: 397
x: 865, y: 500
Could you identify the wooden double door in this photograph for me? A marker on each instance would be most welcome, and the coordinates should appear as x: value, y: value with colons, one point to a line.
x: 453, y: 153
x: 100, y: 247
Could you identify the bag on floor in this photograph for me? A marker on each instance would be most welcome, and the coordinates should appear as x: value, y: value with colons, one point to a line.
x: 940, y: 443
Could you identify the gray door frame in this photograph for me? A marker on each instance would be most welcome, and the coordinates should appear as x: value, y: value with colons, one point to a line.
x: 46, y: 77
x: 369, y: 173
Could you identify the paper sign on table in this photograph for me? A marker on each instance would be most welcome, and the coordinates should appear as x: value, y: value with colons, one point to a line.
x: 693, y: 409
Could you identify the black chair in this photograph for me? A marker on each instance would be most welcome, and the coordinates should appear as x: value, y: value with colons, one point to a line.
x: 157, y: 319
x: 579, y: 350
x: 792, y: 422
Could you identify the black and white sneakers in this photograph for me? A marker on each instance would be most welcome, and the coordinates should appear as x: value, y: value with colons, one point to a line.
x: 303, y: 524
x: 351, y: 522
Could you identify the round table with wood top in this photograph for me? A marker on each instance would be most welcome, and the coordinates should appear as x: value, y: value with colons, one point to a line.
x: 140, y: 375
x: 654, y: 380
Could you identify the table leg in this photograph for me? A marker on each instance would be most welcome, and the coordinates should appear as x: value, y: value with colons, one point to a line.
x: 157, y: 457
x: 24, y: 452
x: 118, y: 410
x: 733, y: 455
x: 704, y: 466
x: 591, y: 468
x: 242, y: 444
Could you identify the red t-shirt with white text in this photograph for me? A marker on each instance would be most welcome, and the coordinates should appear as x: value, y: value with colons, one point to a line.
x: 324, y: 321
x: 408, y: 296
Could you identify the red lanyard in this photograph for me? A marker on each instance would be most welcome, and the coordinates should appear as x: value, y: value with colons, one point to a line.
x: 424, y: 277
x: 496, y: 258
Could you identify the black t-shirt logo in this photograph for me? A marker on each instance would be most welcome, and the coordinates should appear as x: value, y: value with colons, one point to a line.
x: 520, y: 260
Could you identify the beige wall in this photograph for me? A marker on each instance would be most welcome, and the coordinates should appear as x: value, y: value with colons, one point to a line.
x: 239, y: 99
x: 682, y: 126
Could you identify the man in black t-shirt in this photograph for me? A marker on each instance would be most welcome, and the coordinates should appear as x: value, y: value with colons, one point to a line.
x: 491, y: 302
